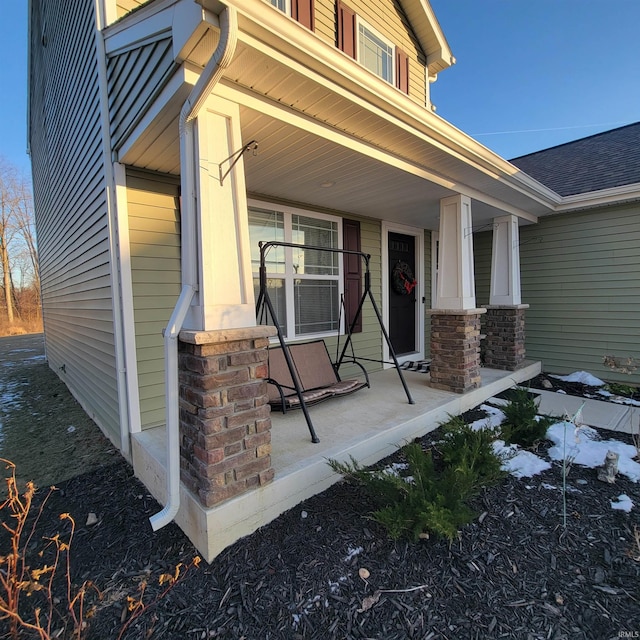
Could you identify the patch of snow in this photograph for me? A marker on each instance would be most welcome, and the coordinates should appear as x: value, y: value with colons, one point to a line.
x: 561, y: 391
x: 519, y: 463
x: 583, y: 377
x: 500, y: 402
x: 605, y: 393
x: 395, y: 468
x: 494, y: 419
x: 546, y: 485
x: 352, y: 553
x: 583, y: 446
x: 624, y: 503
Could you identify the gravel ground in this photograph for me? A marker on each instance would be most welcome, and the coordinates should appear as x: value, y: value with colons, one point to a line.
x: 514, y: 572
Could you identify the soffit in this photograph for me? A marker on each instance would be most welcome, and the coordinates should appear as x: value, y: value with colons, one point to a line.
x: 292, y: 162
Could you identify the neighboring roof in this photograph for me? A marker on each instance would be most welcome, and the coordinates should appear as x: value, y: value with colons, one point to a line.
x: 602, y: 161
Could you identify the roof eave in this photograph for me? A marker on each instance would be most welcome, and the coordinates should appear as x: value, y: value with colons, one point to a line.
x: 429, y: 34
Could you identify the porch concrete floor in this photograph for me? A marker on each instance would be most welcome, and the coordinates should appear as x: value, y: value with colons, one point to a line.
x: 368, y: 425
x: 371, y: 423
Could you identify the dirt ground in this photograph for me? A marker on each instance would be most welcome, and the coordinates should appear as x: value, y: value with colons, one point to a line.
x: 43, y: 430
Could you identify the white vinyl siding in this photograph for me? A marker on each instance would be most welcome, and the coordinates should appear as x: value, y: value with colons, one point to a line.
x: 70, y: 206
x: 581, y: 277
x: 154, y: 237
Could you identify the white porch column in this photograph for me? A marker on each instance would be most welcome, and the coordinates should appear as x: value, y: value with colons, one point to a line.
x: 225, y: 297
x: 455, y: 289
x: 505, y: 262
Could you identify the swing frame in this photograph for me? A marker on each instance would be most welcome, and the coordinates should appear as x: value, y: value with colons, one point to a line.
x: 264, y: 303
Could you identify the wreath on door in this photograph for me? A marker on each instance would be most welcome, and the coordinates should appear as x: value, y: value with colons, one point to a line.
x: 402, y: 279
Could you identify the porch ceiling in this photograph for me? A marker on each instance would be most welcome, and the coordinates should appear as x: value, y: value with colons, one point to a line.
x: 293, y: 165
x: 310, y: 134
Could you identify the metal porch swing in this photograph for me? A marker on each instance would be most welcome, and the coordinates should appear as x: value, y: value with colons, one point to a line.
x: 264, y: 305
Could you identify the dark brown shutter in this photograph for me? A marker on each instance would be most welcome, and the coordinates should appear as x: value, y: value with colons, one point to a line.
x: 302, y: 11
x: 352, y: 272
x: 402, y: 70
x: 346, y: 20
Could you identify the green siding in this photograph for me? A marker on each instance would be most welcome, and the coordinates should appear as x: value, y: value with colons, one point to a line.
x: 580, y: 275
x: 154, y: 238
x: 368, y: 343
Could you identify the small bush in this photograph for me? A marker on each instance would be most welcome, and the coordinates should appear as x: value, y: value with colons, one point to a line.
x: 522, y: 425
x: 470, y: 452
x: 421, y: 500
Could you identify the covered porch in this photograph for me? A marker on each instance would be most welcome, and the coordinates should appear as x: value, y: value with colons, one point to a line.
x: 368, y: 425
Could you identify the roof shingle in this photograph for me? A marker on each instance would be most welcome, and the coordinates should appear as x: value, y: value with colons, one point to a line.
x: 605, y: 160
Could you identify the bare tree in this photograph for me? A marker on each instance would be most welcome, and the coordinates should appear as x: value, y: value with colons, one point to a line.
x: 18, y: 248
x: 5, y: 217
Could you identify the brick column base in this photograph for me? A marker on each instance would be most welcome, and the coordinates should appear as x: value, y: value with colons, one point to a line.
x: 225, y: 423
x: 455, y: 349
x: 504, y: 344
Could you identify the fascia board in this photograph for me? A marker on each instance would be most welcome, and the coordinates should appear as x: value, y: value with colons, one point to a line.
x: 149, y: 23
x: 427, y: 28
x: 603, y: 197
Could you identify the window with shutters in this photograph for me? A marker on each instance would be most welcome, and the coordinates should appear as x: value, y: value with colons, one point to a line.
x: 370, y: 48
x: 300, y: 10
x: 305, y: 285
x: 375, y: 52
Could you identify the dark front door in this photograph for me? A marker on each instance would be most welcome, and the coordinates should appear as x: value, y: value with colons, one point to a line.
x: 402, y: 293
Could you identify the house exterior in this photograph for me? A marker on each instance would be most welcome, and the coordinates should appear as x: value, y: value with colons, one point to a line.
x: 169, y: 137
x: 580, y: 268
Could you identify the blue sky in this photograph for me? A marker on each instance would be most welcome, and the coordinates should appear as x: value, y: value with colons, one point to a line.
x: 530, y: 74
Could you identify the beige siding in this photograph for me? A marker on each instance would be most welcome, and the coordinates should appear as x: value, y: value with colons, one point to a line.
x: 580, y: 275
x: 387, y: 17
x: 70, y: 205
x: 134, y: 79
x: 154, y: 236
x: 125, y: 6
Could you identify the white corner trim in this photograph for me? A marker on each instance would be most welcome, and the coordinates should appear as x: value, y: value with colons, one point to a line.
x: 126, y: 284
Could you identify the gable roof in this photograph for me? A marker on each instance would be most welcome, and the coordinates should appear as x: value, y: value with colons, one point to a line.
x: 602, y: 161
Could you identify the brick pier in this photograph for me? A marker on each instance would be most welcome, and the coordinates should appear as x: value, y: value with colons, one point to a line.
x: 504, y: 345
x: 225, y: 423
x: 455, y: 349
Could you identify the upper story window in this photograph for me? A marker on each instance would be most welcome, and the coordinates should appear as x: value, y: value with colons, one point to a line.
x: 375, y: 53
x: 281, y: 4
x: 371, y: 49
x: 304, y: 285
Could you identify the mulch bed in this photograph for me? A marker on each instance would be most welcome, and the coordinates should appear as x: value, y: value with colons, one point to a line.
x: 515, y: 572
x: 551, y: 383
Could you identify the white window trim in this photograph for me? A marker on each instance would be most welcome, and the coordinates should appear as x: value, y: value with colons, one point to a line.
x: 375, y: 32
x: 391, y: 227
x: 287, y: 6
x: 289, y: 275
